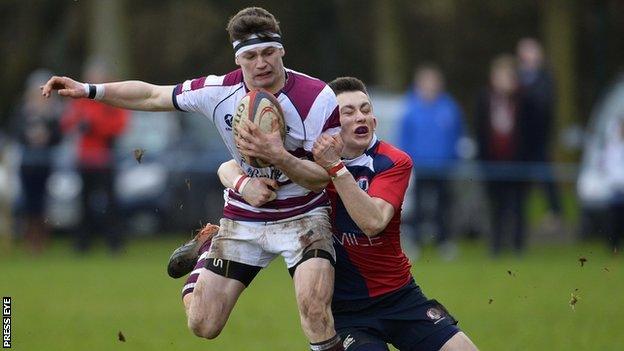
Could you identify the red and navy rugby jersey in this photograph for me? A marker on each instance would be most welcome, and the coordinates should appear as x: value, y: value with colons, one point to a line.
x: 369, y: 267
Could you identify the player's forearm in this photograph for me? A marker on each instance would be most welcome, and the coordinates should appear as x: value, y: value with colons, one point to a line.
x: 363, y: 209
x: 306, y: 173
x: 228, y: 172
x: 138, y: 95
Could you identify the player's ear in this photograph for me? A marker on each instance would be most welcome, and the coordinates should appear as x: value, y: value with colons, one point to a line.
x: 282, y: 52
x: 374, y: 123
x: 236, y: 61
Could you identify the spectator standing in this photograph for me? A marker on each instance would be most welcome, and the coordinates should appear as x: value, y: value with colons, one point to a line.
x: 430, y: 131
x: 97, y: 126
x: 36, y: 128
x: 499, y: 135
x: 537, y: 105
x: 613, y: 161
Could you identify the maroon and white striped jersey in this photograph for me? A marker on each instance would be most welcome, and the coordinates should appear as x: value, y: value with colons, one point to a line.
x: 310, y: 108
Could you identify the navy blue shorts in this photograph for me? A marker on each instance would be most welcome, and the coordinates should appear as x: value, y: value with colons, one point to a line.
x: 404, y: 318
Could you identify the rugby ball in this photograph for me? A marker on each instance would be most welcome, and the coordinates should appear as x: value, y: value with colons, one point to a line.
x: 262, y: 109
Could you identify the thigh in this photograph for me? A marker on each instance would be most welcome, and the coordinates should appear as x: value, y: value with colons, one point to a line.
x: 240, y: 242
x: 214, y: 297
x: 362, y: 339
x: 314, y: 285
x: 314, y: 279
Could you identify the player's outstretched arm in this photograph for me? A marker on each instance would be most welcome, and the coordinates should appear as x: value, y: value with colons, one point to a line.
x: 132, y: 94
x: 270, y: 148
x: 256, y: 191
x: 371, y: 214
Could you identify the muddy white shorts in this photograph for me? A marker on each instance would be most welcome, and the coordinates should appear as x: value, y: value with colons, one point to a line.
x: 258, y: 243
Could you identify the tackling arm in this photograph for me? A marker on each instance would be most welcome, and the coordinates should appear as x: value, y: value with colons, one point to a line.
x: 253, y: 142
x: 303, y: 172
x: 256, y: 191
x: 371, y: 214
x: 132, y: 94
x: 228, y: 172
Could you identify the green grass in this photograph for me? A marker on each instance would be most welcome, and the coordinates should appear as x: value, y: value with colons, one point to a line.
x: 65, y: 302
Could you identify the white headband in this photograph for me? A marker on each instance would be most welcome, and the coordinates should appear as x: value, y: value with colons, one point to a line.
x: 254, y: 41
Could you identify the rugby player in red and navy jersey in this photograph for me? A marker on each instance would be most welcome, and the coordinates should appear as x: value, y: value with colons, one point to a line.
x: 294, y: 221
x: 376, y: 301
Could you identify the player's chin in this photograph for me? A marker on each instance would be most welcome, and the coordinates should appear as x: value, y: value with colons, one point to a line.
x: 264, y: 81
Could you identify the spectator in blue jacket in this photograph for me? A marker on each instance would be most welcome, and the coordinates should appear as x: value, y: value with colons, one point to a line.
x: 430, y: 131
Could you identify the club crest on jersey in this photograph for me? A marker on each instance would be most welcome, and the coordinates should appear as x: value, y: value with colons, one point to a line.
x: 434, y: 313
x: 228, y: 121
x: 362, y: 182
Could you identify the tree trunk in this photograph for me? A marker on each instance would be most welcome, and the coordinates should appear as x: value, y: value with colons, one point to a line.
x: 559, y: 32
x: 390, y: 68
x: 108, y: 33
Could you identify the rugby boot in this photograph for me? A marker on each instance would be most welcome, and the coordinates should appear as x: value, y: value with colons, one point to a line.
x: 183, y: 258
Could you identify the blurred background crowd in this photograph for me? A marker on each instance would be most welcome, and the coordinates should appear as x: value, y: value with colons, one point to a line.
x: 513, y: 113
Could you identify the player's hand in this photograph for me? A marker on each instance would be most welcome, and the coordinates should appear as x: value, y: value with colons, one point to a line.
x: 251, y: 141
x: 327, y: 149
x: 259, y: 191
x: 65, y: 86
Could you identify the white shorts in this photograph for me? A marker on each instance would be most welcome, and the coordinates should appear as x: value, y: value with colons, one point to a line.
x: 258, y: 243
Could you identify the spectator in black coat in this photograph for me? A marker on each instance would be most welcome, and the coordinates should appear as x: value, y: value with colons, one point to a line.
x: 35, y: 125
x: 537, y: 104
x: 499, y: 136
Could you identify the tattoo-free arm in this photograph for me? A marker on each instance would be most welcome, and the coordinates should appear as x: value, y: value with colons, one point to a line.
x: 138, y: 95
x: 270, y: 147
x: 257, y: 191
x: 227, y: 172
x: 306, y: 173
x: 131, y: 94
x: 371, y: 214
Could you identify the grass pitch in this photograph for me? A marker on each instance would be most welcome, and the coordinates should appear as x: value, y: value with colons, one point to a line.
x: 65, y: 302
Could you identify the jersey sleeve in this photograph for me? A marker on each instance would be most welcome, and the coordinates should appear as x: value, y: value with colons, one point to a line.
x: 192, y: 95
x: 390, y: 185
x: 323, y: 117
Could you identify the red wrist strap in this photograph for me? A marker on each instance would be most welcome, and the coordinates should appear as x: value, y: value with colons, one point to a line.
x: 333, y: 171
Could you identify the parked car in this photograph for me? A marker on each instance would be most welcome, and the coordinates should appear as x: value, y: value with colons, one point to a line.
x: 173, y: 187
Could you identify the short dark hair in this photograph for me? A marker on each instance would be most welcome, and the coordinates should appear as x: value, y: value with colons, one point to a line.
x: 346, y: 84
x: 252, y: 20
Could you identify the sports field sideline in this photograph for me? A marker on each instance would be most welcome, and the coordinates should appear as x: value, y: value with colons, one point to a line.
x: 64, y: 302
